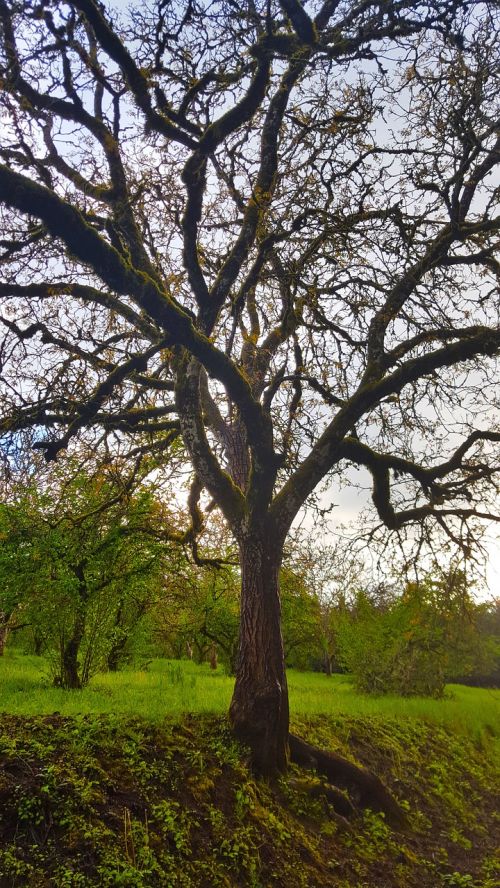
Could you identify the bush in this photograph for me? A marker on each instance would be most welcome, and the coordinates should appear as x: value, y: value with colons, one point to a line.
x: 414, y: 644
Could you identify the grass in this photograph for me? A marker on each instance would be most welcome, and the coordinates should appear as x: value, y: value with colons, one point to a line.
x: 473, y: 710
x: 171, y: 688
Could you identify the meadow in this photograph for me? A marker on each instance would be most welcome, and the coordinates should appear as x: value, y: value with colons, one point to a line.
x: 171, y: 688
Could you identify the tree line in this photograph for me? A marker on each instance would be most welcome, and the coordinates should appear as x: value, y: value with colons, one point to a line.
x: 91, y: 576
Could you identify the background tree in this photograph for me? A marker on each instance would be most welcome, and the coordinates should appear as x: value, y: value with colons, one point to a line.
x: 329, y: 574
x: 414, y: 642
x: 80, y: 561
x: 199, y: 608
x: 268, y: 230
x: 301, y: 620
x: 485, y: 671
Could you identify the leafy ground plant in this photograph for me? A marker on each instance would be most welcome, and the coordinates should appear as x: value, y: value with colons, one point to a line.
x: 108, y: 801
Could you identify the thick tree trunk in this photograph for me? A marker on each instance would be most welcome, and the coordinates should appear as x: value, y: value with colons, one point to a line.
x: 259, y: 708
x: 70, y: 671
x: 119, y: 641
x: 115, y: 655
x: 4, y: 630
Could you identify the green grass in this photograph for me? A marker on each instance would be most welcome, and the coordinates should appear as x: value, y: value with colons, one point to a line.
x: 473, y: 710
x: 170, y: 688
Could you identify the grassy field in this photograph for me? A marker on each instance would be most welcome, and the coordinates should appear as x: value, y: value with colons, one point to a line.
x: 172, y: 688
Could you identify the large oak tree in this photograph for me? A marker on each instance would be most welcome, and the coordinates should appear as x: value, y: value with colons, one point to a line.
x: 265, y: 230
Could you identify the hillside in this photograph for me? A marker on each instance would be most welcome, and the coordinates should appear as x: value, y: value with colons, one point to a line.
x: 104, y: 801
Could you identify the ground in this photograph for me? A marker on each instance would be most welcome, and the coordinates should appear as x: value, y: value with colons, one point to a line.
x: 115, y: 800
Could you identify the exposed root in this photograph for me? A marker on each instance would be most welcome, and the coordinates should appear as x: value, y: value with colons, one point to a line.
x: 339, y: 802
x: 366, y: 788
x: 335, y: 799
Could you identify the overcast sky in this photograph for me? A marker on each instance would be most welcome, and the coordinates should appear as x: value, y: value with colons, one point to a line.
x: 350, y: 501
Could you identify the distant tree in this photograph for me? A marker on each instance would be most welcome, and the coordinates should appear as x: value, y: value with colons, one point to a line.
x: 485, y: 671
x: 80, y: 561
x: 199, y: 608
x: 415, y: 642
x: 301, y: 620
x: 266, y: 230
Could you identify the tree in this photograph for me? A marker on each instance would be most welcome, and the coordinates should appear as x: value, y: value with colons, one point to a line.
x: 330, y: 575
x: 301, y: 619
x: 80, y: 560
x: 265, y: 230
x: 198, y: 608
x: 414, y: 642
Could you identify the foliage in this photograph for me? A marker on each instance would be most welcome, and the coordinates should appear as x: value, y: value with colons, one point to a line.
x: 198, y: 608
x: 78, y: 565
x: 266, y: 230
x: 486, y: 669
x: 301, y: 620
x: 111, y: 801
x: 414, y: 643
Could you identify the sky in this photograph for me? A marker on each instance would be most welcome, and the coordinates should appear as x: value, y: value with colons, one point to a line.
x: 350, y: 502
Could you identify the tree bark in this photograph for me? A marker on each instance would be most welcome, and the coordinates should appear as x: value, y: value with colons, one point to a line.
x: 70, y: 677
x: 119, y: 641
x: 328, y: 664
x: 70, y: 672
x: 4, y: 631
x: 259, y: 708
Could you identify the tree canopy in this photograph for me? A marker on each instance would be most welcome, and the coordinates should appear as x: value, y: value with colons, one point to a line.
x: 263, y: 233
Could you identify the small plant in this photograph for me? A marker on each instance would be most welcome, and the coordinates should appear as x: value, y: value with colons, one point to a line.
x: 174, y: 822
x: 175, y: 674
x: 458, y: 880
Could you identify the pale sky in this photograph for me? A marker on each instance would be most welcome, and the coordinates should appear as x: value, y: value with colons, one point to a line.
x: 350, y: 501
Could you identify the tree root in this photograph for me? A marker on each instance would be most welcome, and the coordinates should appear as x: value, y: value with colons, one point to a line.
x: 334, y: 798
x: 366, y: 789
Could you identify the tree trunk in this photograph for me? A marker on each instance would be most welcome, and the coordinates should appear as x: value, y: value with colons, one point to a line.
x: 115, y: 656
x: 119, y: 641
x: 70, y: 677
x: 4, y: 631
x: 213, y: 657
x: 70, y: 672
x: 38, y: 643
x: 328, y: 664
x: 259, y: 708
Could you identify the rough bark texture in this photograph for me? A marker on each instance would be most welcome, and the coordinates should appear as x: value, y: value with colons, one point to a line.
x: 70, y: 671
x: 70, y: 677
x: 259, y: 708
x: 120, y: 640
